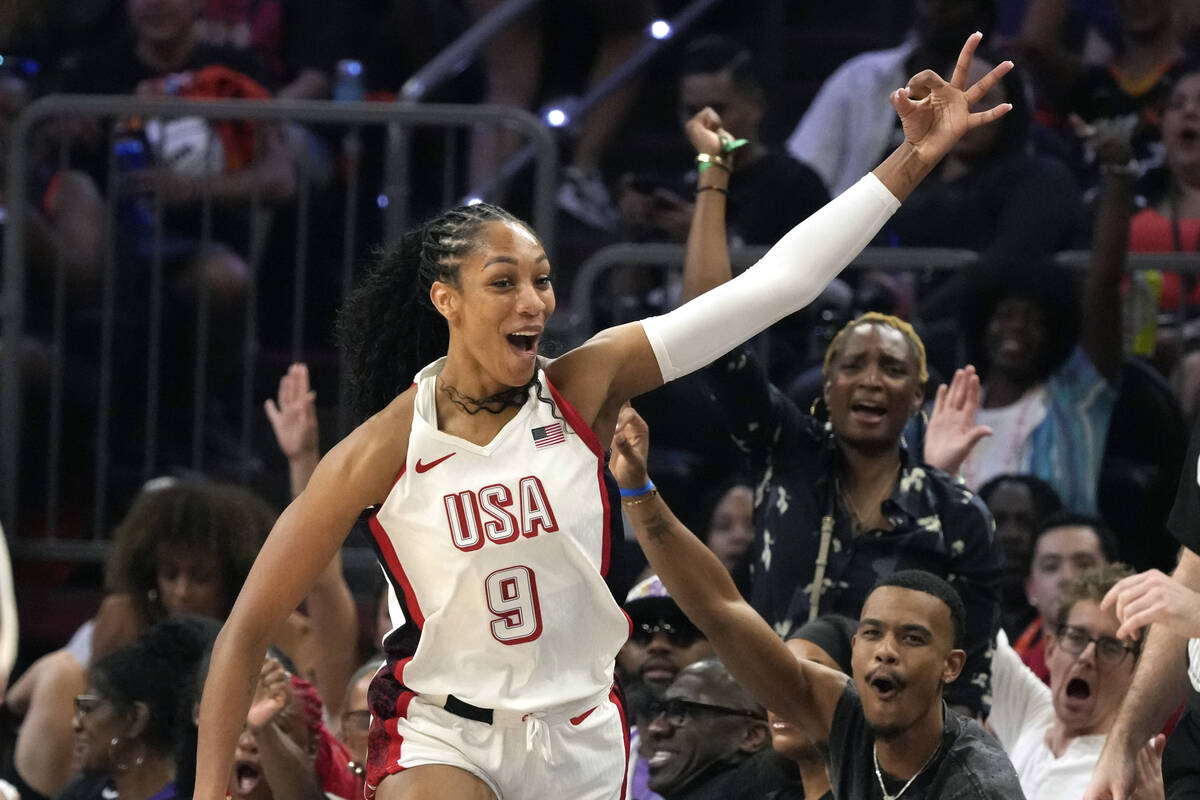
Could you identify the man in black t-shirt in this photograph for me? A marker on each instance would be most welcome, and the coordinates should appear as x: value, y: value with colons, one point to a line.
x: 888, y: 730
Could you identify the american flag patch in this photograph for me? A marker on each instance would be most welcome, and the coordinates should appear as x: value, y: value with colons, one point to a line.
x: 548, y: 435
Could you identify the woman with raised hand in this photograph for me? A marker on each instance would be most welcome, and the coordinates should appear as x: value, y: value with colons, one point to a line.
x: 494, y: 501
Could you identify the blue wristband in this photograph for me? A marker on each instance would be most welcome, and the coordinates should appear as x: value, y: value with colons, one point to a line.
x: 647, y: 489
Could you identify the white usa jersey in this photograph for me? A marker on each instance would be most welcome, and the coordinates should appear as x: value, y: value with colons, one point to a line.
x: 497, y: 556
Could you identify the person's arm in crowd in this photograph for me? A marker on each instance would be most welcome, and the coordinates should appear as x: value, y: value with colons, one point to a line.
x: 706, y: 263
x: 974, y: 569
x: 1017, y: 694
x: 289, y: 771
x: 1159, y: 685
x: 1100, y: 323
x: 804, y: 693
x: 952, y: 433
x: 330, y: 603
x: 44, y: 698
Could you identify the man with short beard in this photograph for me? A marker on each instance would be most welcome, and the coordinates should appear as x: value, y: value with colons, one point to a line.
x: 888, y: 730
x: 709, y: 741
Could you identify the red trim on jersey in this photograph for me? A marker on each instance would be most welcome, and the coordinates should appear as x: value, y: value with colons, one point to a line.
x: 404, y: 466
x: 399, y: 475
x: 398, y: 671
x: 576, y: 422
x: 615, y: 698
x: 392, y: 563
x: 395, y: 740
x: 589, y: 438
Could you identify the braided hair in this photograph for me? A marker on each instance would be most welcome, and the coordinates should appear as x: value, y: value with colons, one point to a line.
x: 388, y: 327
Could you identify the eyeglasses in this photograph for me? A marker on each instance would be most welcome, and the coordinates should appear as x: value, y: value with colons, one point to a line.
x: 678, y: 635
x: 678, y: 711
x: 1109, y: 650
x: 87, y: 703
x: 359, y: 721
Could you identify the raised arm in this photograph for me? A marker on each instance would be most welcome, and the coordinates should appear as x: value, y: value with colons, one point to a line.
x: 330, y: 603
x: 804, y: 693
x: 626, y: 361
x: 355, y: 474
x: 706, y: 263
x: 1100, y: 325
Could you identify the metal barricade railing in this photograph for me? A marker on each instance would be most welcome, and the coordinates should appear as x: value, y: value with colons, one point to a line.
x: 356, y: 120
x: 578, y: 321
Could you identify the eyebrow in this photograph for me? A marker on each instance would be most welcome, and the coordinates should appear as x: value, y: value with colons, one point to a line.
x: 910, y: 627
x: 511, y: 260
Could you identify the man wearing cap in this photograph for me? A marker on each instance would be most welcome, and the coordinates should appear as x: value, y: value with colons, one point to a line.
x: 662, y: 641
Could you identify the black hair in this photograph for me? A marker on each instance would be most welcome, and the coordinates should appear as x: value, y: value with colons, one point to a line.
x: 1070, y: 519
x: 716, y: 53
x: 919, y: 580
x: 155, y: 670
x: 387, y: 328
x: 832, y: 633
x: 1045, y: 499
x: 190, y: 516
x: 1052, y: 289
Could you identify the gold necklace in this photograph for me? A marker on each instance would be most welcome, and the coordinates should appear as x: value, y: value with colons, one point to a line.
x: 856, y: 518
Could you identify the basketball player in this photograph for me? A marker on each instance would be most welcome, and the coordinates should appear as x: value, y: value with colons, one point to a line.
x: 494, y: 500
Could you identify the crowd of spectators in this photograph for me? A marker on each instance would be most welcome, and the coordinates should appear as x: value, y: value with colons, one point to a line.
x: 1002, y: 443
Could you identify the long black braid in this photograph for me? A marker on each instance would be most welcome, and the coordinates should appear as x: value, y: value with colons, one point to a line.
x: 387, y: 327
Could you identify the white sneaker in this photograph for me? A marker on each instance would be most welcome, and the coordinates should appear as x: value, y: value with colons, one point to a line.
x: 584, y: 196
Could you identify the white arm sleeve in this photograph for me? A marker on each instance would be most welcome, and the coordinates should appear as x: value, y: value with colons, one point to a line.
x: 786, y: 279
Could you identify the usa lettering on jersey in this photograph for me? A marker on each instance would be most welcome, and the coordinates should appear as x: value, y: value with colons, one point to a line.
x: 498, y: 514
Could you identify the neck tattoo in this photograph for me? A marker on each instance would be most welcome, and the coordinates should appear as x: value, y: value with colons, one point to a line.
x: 512, y: 397
x: 879, y: 772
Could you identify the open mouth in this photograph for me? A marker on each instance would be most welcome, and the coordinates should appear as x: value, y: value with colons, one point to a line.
x: 1189, y: 136
x: 886, y: 687
x: 1078, y: 689
x: 526, y: 343
x: 246, y: 777
x: 868, y: 411
x: 659, y: 758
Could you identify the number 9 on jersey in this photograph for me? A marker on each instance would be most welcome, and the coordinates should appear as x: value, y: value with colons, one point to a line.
x: 512, y: 598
